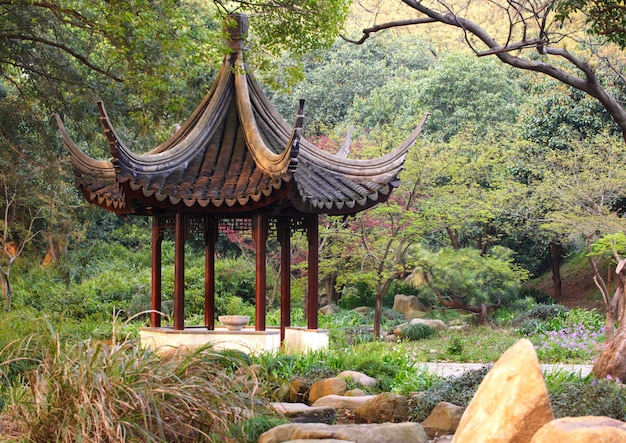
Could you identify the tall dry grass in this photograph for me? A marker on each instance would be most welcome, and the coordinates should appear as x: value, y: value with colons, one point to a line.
x: 94, y: 392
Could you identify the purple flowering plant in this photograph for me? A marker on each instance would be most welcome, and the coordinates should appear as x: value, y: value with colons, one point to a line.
x: 574, y: 342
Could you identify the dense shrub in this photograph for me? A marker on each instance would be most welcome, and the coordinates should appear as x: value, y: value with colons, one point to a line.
x: 537, y: 319
x: 458, y: 390
x: 416, y: 331
x: 589, y: 397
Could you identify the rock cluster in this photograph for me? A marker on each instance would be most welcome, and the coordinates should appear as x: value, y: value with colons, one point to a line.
x: 510, y: 406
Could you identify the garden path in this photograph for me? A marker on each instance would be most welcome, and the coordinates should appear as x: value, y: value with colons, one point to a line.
x: 456, y: 369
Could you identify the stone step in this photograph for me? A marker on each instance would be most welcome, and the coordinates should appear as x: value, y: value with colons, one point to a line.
x: 302, y: 413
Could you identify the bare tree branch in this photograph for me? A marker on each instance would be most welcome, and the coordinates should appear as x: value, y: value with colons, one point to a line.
x: 586, y: 81
x: 368, y: 31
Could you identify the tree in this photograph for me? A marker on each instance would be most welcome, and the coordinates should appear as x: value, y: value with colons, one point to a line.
x: 611, y: 360
x: 336, y: 82
x: 470, y: 281
x: 16, y: 232
x: 521, y: 25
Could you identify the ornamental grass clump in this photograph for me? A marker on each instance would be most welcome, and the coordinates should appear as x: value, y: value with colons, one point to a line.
x: 92, y: 392
x: 416, y: 331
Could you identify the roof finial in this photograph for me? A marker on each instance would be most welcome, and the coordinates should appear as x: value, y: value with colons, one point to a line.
x: 237, y: 27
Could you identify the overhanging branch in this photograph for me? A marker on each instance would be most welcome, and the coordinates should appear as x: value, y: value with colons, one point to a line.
x: 395, y: 24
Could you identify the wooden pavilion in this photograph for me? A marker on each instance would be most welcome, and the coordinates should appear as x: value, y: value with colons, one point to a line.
x: 234, y: 164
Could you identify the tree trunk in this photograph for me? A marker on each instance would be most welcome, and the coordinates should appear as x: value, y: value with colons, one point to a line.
x: 555, y: 252
x: 454, y: 238
x: 482, y: 315
x: 378, y: 309
x: 612, y: 360
x: 7, y: 291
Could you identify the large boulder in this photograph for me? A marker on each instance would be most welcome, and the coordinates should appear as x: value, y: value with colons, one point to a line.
x: 443, y: 419
x: 511, y: 404
x: 327, y: 386
x: 582, y: 430
x: 404, y: 303
x: 371, y: 433
x: 385, y: 407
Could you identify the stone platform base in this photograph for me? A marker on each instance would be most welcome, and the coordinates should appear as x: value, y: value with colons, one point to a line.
x: 246, y: 340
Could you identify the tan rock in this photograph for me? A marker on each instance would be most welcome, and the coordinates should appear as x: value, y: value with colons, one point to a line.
x: 403, y: 303
x: 511, y: 404
x: 327, y: 386
x: 355, y: 393
x: 414, y: 313
x: 298, y: 388
x: 385, y: 407
x: 443, y: 420
x: 323, y: 440
x: 359, y: 378
x: 343, y: 402
x: 582, y: 430
x: 370, y: 433
x: 301, y: 413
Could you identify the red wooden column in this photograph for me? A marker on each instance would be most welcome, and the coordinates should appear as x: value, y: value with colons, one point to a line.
x: 210, y: 239
x: 313, y: 264
x: 259, y: 234
x: 180, y: 237
x: 155, y: 305
x: 284, y: 238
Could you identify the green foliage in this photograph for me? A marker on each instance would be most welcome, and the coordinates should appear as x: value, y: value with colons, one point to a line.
x: 588, y: 397
x: 394, y: 368
x: 611, y: 246
x: 462, y: 89
x: 470, y: 278
x: 348, y: 84
x: 455, y: 346
x: 251, y: 428
x: 417, y: 331
x: 539, y: 318
x: 358, y: 293
x: 605, y: 17
x: 457, y: 390
x: 559, y: 114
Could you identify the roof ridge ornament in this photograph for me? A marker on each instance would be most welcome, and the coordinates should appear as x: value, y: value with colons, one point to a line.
x: 236, y: 25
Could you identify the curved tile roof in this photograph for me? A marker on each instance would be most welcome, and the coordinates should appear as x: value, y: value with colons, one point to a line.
x: 235, y: 153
